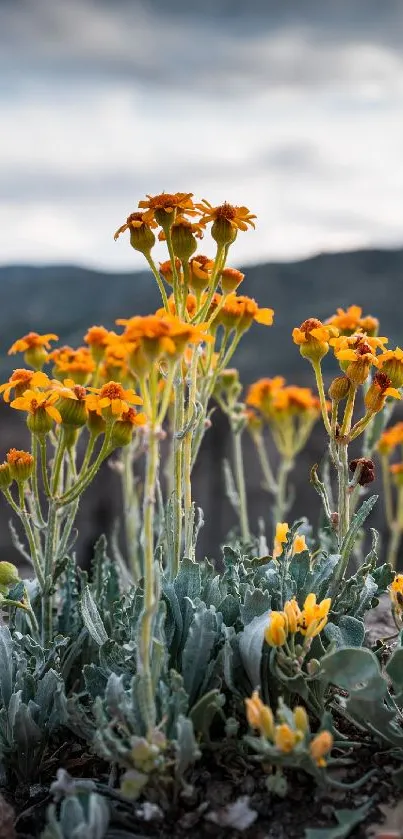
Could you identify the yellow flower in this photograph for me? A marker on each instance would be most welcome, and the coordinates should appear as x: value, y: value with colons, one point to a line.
x: 314, y: 616
x: 259, y: 716
x: 293, y: 614
x: 240, y: 312
x: 356, y: 353
x: 115, y: 364
x: 21, y: 465
x: 141, y: 235
x: 5, y: 476
x: 163, y: 208
x: 98, y: 339
x: 21, y: 380
x: 378, y: 391
x: 391, y: 438
x: 167, y: 272
x: 285, y: 738
x: 230, y: 279
x: 396, y: 593
x: 391, y: 363
x: 350, y: 320
x: 34, y: 347
x: 260, y: 394
x: 276, y: 631
x: 123, y: 428
x: 301, y: 719
x: 320, y: 746
x: 313, y: 338
x: 296, y: 400
x: 77, y: 364
x: 299, y: 545
x: 41, y: 409
x: 201, y: 268
x: 72, y: 403
x: 397, y: 473
x: 227, y: 220
x: 163, y: 334
x: 280, y: 538
x: 111, y: 400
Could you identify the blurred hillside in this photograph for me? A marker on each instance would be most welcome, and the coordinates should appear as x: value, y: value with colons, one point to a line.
x: 67, y: 299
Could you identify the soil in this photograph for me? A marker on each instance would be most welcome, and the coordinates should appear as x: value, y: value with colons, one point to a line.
x: 220, y: 780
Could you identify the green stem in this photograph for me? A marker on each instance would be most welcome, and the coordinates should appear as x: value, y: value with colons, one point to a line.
x: 321, y: 391
x: 214, y: 281
x: 42, y: 445
x: 387, y: 490
x: 22, y: 515
x: 348, y: 413
x: 159, y: 280
x: 35, y: 487
x: 47, y: 597
x: 131, y: 513
x: 343, y: 494
x: 85, y: 480
x: 394, y: 545
x: 177, y: 513
x: 360, y: 426
x: 240, y: 482
x: 149, y: 580
x: 187, y: 458
x: 286, y: 465
x: 57, y: 465
x: 175, y: 278
x: 265, y: 464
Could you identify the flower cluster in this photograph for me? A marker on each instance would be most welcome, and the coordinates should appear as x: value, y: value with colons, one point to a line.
x: 290, y: 734
x: 308, y: 621
x: 281, y: 539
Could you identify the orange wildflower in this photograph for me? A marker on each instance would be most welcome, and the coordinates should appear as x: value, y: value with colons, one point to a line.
x: 227, y: 220
x: 21, y: 464
x: 314, y: 616
x: 31, y: 341
x: 356, y: 353
x: 260, y: 394
x: 313, y: 338
x: 40, y: 406
x: 350, y: 320
x: 98, y: 339
x: 391, y: 363
x: 20, y: 380
x: 164, y: 207
x: 79, y: 364
x: 123, y: 428
x: 392, y: 437
x: 240, y: 312
x: 167, y: 272
x: 320, y: 746
x: 285, y: 738
x: 396, y: 592
x: 141, y: 235
x: 230, y: 279
x: 378, y: 391
x: 201, y: 268
x: 111, y: 399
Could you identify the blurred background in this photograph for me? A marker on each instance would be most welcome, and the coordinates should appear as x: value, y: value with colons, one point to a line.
x: 294, y: 109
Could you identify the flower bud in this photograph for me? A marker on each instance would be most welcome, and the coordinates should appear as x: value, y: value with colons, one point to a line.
x: 200, y: 272
x: 95, y: 423
x: 21, y: 465
x: 123, y: 428
x: 285, y: 738
x: 230, y: 279
x: 301, y: 719
x: 8, y: 574
x: 167, y: 273
x: 367, y: 470
x: 183, y: 241
x: 339, y: 388
x: 223, y: 232
x: 74, y: 411
x: 40, y: 422
x: 320, y: 746
x: 5, y: 476
x: 36, y: 357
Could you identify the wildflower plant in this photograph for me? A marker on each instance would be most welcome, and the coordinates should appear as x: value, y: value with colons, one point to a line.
x: 152, y: 654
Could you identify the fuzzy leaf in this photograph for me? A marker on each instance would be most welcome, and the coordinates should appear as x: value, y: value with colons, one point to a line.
x: 256, y: 602
x: 198, y: 648
x: 347, y: 820
x: 92, y: 619
x: 6, y: 665
x: 356, y: 524
x: 349, y: 632
x: 251, y: 646
x: 354, y: 670
x: 187, y: 751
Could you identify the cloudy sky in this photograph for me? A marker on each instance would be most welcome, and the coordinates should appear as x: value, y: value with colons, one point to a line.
x: 294, y: 108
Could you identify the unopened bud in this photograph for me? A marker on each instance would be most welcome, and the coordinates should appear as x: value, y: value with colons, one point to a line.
x: 339, y: 388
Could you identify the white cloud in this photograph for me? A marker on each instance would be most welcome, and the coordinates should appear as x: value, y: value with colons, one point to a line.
x: 306, y: 132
